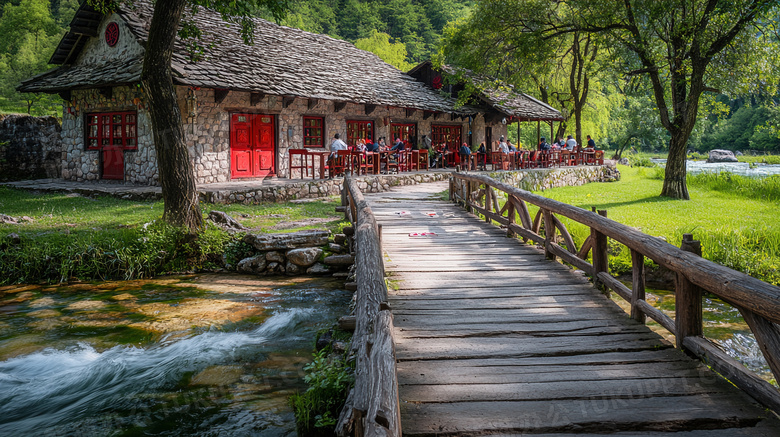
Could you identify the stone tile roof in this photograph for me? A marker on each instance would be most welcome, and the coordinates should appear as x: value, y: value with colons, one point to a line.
x: 501, y: 96
x: 283, y: 61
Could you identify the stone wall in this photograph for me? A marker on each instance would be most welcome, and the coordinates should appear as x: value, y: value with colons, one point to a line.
x: 207, y: 126
x: 81, y: 164
x: 531, y: 180
x: 30, y: 147
x: 207, y: 129
x: 546, y: 178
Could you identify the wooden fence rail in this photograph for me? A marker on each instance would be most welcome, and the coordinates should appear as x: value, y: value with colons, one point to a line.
x: 372, y: 407
x: 758, y: 301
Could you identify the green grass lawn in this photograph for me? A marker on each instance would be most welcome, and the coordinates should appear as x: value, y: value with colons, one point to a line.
x: 738, y: 225
x: 59, y: 212
x: 69, y: 236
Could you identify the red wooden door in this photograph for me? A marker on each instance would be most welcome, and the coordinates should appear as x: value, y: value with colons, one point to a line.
x: 241, y: 146
x: 252, y: 146
x: 113, y: 162
x: 263, y: 147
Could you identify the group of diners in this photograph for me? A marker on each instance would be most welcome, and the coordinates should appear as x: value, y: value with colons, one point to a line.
x: 376, y: 157
x: 363, y: 157
x: 505, y: 156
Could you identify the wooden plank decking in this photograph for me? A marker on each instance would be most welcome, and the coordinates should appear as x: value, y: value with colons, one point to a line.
x: 494, y: 339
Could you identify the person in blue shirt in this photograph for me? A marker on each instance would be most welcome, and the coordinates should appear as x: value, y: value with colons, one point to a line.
x: 398, y: 145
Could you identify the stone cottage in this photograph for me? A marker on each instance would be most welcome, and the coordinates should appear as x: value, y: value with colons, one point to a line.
x: 243, y: 106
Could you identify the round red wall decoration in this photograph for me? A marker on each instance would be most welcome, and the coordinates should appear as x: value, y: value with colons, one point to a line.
x: 437, y: 82
x: 112, y: 34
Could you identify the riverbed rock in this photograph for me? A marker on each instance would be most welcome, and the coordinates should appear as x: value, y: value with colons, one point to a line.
x: 292, y: 269
x: 719, y: 155
x: 304, y: 257
x: 225, y: 221
x: 274, y: 257
x: 339, y: 260
x: 318, y: 269
x: 255, y: 264
x: 336, y: 248
x: 292, y: 240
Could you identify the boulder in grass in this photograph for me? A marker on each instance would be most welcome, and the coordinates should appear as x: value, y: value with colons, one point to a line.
x: 719, y: 155
x: 225, y: 221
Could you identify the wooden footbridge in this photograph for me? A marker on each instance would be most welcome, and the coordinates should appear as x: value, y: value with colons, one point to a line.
x: 474, y: 333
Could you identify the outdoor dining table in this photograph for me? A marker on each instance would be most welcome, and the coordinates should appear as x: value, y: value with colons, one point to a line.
x: 322, y: 155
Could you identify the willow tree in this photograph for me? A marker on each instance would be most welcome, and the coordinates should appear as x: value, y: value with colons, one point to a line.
x: 495, y: 41
x: 171, y: 18
x: 684, y: 47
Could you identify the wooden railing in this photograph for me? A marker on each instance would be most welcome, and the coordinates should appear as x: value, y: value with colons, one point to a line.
x: 372, y: 406
x: 758, y: 301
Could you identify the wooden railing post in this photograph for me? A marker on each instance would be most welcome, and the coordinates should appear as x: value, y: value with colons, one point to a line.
x: 638, y: 286
x: 599, y: 252
x: 549, y: 233
x: 687, y: 310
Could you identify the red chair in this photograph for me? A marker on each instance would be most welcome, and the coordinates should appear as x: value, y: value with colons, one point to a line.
x: 337, y: 164
x: 303, y: 163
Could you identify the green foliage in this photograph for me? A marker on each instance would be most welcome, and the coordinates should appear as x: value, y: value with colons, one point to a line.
x: 414, y: 24
x: 330, y: 377
x: 28, y: 35
x: 766, y: 188
x: 124, y: 254
x: 76, y: 237
x: 394, y: 53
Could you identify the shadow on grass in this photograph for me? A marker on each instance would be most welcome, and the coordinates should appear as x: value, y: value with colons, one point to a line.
x: 643, y: 200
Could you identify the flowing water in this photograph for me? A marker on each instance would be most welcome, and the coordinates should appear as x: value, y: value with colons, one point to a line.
x: 723, y: 324
x: 739, y: 168
x: 200, y: 355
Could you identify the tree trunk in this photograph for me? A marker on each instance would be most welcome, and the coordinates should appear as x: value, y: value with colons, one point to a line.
x: 675, y: 185
x: 173, y: 161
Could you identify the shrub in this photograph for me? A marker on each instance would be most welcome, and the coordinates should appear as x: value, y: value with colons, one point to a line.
x: 330, y: 377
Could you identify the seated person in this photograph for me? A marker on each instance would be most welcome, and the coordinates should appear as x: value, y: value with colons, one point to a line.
x: 398, y: 145
x: 543, y: 146
x: 510, y: 146
x: 370, y: 146
x: 360, y: 146
x: 502, y: 146
x: 465, y: 154
x: 591, y: 145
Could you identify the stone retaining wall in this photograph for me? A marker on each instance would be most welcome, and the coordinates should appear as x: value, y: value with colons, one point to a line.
x: 531, y: 180
x: 546, y: 178
x: 30, y: 147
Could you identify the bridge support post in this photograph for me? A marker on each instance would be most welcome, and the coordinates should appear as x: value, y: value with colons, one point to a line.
x: 687, y: 309
x: 599, y: 251
x: 549, y: 233
x: 638, y: 286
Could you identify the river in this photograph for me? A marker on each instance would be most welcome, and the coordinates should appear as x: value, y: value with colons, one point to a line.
x: 199, y: 355
x: 739, y: 168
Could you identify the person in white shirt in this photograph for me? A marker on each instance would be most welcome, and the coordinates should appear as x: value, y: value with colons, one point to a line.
x: 571, y: 143
x: 337, y: 145
x: 502, y: 146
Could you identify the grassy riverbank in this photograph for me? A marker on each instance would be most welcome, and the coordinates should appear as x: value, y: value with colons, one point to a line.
x: 65, y: 236
x: 735, y: 218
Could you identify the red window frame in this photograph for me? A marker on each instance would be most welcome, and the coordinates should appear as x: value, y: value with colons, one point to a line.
x: 359, y: 129
x: 405, y: 131
x: 447, y: 134
x: 313, y: 132
x: 111, y: 129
